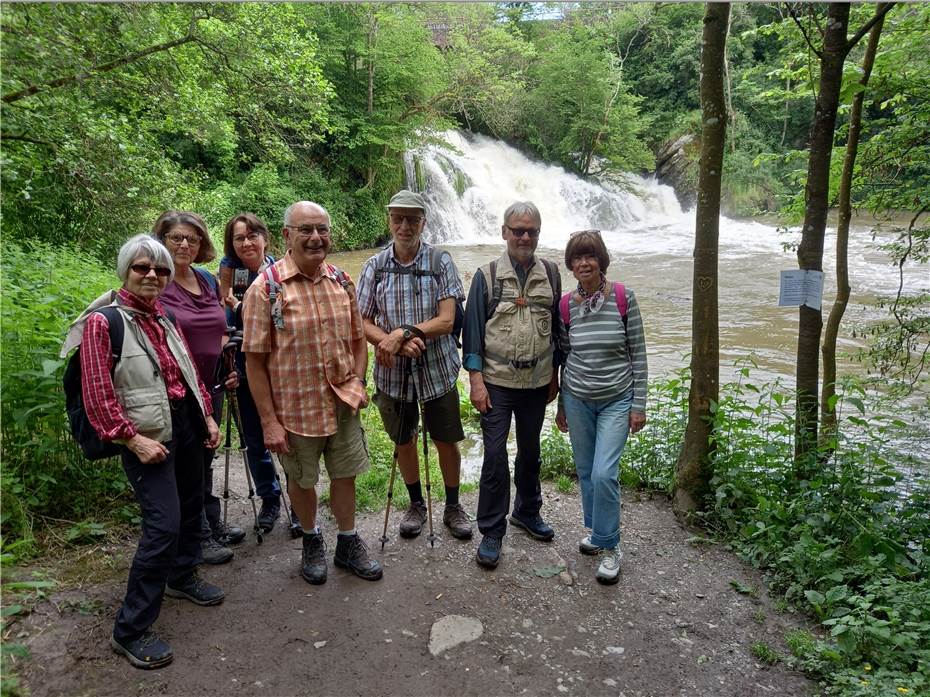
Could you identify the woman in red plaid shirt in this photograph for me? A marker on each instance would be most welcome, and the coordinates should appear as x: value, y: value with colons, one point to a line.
x: 153, y: 403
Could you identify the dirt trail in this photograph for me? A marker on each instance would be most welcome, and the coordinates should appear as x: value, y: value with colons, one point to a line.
x: 672, y: 626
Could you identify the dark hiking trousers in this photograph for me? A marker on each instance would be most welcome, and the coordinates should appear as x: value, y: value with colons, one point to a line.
x: 528, y: 407
x: 170, y: 496
x: 258, y: 456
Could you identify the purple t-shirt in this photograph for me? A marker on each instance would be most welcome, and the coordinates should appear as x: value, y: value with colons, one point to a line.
x: 203, y: 322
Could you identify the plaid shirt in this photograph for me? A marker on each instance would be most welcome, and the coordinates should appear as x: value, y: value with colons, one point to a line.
x: 405, y: 299
x: 310, y: 361
x: 104, y: 411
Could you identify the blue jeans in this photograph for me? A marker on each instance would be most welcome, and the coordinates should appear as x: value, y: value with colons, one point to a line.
x: 598, y: 431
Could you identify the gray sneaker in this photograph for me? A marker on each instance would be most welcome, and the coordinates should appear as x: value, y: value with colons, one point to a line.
x: 588, y: 547
x: 609, y: 570
x: 414, y: 518
x: 214, y: 552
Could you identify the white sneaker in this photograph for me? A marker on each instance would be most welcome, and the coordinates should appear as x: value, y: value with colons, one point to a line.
x: 587, y: 547
x: 609, y: 570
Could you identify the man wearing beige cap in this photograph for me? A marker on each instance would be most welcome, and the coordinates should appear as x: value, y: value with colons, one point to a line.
x: 407, y: 295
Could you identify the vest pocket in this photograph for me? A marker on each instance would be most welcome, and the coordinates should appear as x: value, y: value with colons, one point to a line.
x: 148, y: 408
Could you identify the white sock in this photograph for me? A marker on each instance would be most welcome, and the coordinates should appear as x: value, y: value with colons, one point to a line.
x: 347, y: 533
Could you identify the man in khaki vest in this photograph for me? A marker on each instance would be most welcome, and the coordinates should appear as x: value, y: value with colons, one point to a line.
x: 509, y: 352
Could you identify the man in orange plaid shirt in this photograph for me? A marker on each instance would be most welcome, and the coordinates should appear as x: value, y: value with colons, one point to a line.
x: 306, y: 360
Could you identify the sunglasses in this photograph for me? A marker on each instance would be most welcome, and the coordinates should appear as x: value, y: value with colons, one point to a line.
x: 399, y: 218
x: 145, y: 269
x: 533, y: 232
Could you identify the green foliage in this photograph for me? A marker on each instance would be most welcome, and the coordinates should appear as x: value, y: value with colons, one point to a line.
x: 44, y: 288
x: 556, y: 456
x: 765, y: 653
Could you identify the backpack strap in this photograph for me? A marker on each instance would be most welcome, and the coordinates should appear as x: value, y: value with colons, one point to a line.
x: 563, y: 307
x: 495, y: 290
x: 116, y: 329
x: 210, y: 280
x: 273, y: 286
x: 552, y: 271
x: 620, y: 296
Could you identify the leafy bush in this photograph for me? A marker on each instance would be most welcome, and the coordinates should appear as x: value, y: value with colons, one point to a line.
x: 44, y: 288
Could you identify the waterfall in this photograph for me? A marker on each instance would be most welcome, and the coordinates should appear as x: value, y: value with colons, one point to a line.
x: 469, y: 185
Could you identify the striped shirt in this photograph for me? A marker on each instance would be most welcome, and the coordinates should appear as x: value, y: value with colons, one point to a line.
x: 402, y: 299
x: 310, y: 362
x: 604, y: 359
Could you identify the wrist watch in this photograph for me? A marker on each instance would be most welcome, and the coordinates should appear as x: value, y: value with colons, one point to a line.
x: 411, y: 331
x: 407, y: 334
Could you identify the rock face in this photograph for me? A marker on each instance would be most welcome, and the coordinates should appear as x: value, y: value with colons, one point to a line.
x: 676, y: 165
x: 453, y: 630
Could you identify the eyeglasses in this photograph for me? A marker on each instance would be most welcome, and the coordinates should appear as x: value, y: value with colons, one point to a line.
x: 596, y: 233
x: 176, y: 238
x: 412, y: 220
x: 251, y: 237
x: 533, y: 232
x: 145, y: 270
x: 308, y: 230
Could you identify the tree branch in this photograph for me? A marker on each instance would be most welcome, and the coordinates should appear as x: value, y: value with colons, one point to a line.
x: 807, y: 39
x: 106, y: 67
x: 880, y: 11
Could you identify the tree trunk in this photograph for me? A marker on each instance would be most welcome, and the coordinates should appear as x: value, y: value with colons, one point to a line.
x: 694, y: 468
x: 828, y: 427
x: 810, y: 252
x: 370, y: 60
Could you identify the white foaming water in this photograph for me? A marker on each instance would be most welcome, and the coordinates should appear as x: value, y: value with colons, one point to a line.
x: 640, y: 225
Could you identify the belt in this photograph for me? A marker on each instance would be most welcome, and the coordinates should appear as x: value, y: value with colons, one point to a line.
x: 520, y: 364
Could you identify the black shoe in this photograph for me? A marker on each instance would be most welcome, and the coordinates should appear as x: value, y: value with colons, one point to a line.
x: 148, y: 651
x: 489, y: 551
x: 313, y: 561
x: 195, y: 589
x: 214, y: 552
x: 271, y: 507
x: 227, y: 534
x: 296, y: 528
x: 535, y: 526
x: 352, y: 554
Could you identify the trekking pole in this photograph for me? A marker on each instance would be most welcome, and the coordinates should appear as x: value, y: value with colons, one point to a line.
x: 399, y: 434
x: 232, y: 414
x: 233, y: 403
x: 429, y: 490
x: 293, y: 525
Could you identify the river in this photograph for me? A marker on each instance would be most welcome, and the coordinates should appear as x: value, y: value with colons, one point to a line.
x: 650, y: 239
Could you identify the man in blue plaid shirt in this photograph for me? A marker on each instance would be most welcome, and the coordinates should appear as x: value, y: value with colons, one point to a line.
x: 407, y: 295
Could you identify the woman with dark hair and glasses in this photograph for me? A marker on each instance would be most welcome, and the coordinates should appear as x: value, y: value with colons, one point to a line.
x: 244, y: 243
x: 193, y: 296
x: 151, y: 401
x: 603, y: 397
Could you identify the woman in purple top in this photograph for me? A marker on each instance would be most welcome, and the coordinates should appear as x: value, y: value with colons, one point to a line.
x: 193, y: 297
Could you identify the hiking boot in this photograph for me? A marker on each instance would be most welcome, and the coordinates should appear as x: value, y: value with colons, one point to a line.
x: 535, y: 526
x: 414, y: 518
x: 192, y: 587
x: 271, y: 507
x: 588, y: 547
x: 352, y: 554
x: 489, y: 551
x: 214, y: 552
x: 148, y: 651
x: 609, y: 570
x: 456, y: 519
x: 227, y: 534
x: 295, y: 526
x: 313, y: 561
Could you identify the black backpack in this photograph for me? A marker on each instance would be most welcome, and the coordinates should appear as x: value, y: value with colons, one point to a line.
x: 495, y: 288
x: 435, y: 272
x: 81, y: 429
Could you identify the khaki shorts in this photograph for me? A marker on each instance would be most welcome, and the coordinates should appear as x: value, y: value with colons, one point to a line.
x: 345, y: 452
x: 442, y: 416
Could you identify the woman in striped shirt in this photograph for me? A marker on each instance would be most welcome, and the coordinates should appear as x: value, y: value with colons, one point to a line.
x: 603, y: 397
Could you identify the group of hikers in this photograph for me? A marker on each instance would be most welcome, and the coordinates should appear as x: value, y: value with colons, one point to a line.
x: 286, y: 343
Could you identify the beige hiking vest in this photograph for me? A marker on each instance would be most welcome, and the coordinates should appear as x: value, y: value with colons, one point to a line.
x: 518, y: 337
x: 140, y: 388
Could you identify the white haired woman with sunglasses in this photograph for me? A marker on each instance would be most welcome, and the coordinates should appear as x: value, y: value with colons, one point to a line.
x: 152, y: 402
